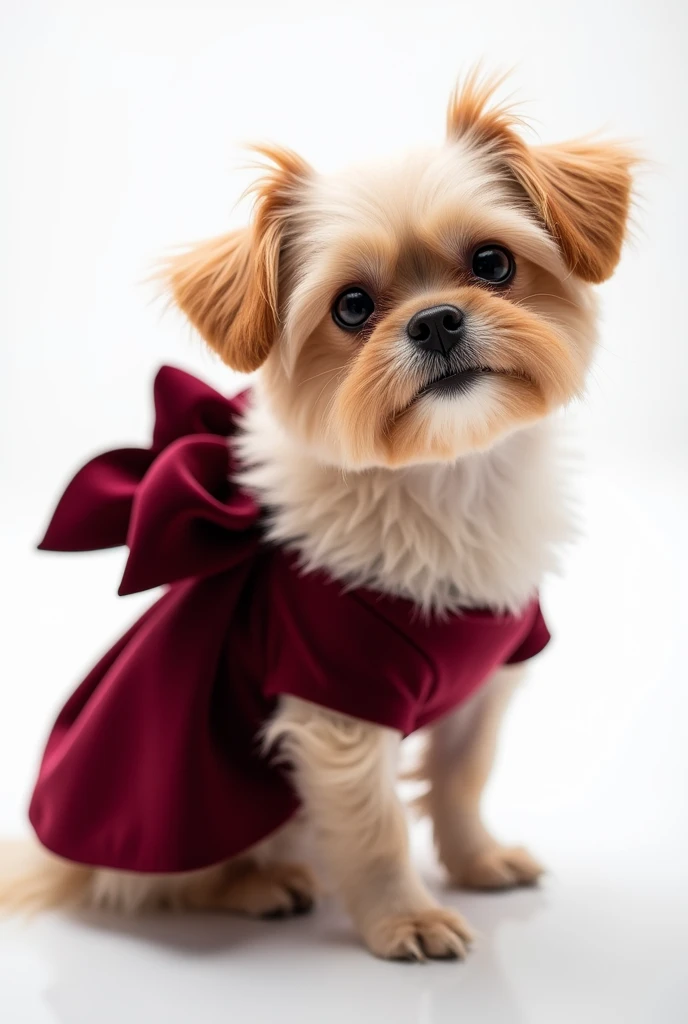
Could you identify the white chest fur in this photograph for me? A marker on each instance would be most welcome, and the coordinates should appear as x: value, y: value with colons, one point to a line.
x: 478, y: 532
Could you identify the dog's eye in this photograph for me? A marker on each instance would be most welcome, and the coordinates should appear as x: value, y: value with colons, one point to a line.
x: 493, y: 263
x: 352, y: 308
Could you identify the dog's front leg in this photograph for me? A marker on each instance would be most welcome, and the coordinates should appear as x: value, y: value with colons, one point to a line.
x: 459, y: 759
x: 345, y: 772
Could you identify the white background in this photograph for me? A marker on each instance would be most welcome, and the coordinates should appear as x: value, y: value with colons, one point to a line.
x: 120, y: 132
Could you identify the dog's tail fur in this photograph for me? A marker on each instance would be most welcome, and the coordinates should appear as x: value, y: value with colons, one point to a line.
x: 31, y: 879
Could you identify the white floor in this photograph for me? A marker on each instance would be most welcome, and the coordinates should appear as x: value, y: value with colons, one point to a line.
x: 592, y: 774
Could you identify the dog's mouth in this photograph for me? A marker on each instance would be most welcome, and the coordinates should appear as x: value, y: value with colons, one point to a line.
x: 455, y: 383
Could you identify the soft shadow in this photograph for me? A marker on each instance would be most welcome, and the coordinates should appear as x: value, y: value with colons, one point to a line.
x: 187, y: 933
x: 106, y: 968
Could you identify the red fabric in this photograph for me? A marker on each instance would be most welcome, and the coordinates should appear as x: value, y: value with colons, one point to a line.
x: 154, y: 763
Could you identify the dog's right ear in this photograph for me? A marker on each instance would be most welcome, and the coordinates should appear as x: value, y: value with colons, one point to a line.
x: 229, y: 286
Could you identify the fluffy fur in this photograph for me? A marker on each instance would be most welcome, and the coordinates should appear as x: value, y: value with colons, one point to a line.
x: 478, y: 532
x: 451, y: 500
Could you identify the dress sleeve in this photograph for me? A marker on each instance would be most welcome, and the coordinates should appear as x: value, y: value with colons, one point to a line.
x: 328, y: 647
x: 535, y: 640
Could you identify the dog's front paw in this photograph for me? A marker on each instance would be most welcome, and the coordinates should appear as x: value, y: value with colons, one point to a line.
x: 497, y: 867
x: 431, y: 934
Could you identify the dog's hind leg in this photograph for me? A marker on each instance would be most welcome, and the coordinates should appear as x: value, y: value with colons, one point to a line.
x: 260, y: 883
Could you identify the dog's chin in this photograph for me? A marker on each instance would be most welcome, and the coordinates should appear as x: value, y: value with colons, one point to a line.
x: 461, y: 413
x: 408, y: 422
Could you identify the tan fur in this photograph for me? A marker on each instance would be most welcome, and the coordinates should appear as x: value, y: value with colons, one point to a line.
x: 32, y: 880
x: 264, y: 882
x: 406, y: 234
x: 228, y: 287
x: 244, y: 885
x: 581, y: 189
x: 345, y: 772
x: 458, y: 760
x: 358, y: 406
x: 352, y: 399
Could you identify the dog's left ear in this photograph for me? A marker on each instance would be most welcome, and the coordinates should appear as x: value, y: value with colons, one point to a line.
x: 229, y: 286
x: 581, y: 191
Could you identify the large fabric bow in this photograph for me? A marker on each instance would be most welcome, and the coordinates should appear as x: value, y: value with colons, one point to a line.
x: 173, y: 504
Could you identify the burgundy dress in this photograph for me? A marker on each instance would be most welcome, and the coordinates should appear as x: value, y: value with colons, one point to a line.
x: 154, y: 762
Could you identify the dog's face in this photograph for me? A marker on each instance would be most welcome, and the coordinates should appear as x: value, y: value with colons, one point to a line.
x: 420, y: 311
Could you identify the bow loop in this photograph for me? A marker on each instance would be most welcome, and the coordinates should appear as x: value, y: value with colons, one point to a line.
x: 185, y: 405
x: 94, y: 510
x: 174, y: 503
x: 186, y: 517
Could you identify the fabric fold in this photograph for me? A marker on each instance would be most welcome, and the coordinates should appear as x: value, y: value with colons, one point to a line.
x: 187, y: 519
x: 173, y: 503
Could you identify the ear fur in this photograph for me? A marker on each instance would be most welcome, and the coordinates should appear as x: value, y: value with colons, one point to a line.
x: 580, y: 190
x: 228, y: 286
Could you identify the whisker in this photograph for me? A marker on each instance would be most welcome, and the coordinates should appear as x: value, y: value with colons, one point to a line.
x: 315, y: 375
x: 544, y: 295
x: 330, y: 403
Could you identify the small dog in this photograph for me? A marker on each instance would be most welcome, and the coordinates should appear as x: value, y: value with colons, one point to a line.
x: 416, y: 325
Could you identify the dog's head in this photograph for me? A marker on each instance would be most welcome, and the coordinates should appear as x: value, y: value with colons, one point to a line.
x: 421, y: 310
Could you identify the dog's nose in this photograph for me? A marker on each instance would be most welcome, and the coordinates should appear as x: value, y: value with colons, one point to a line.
x: 437, y: 329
